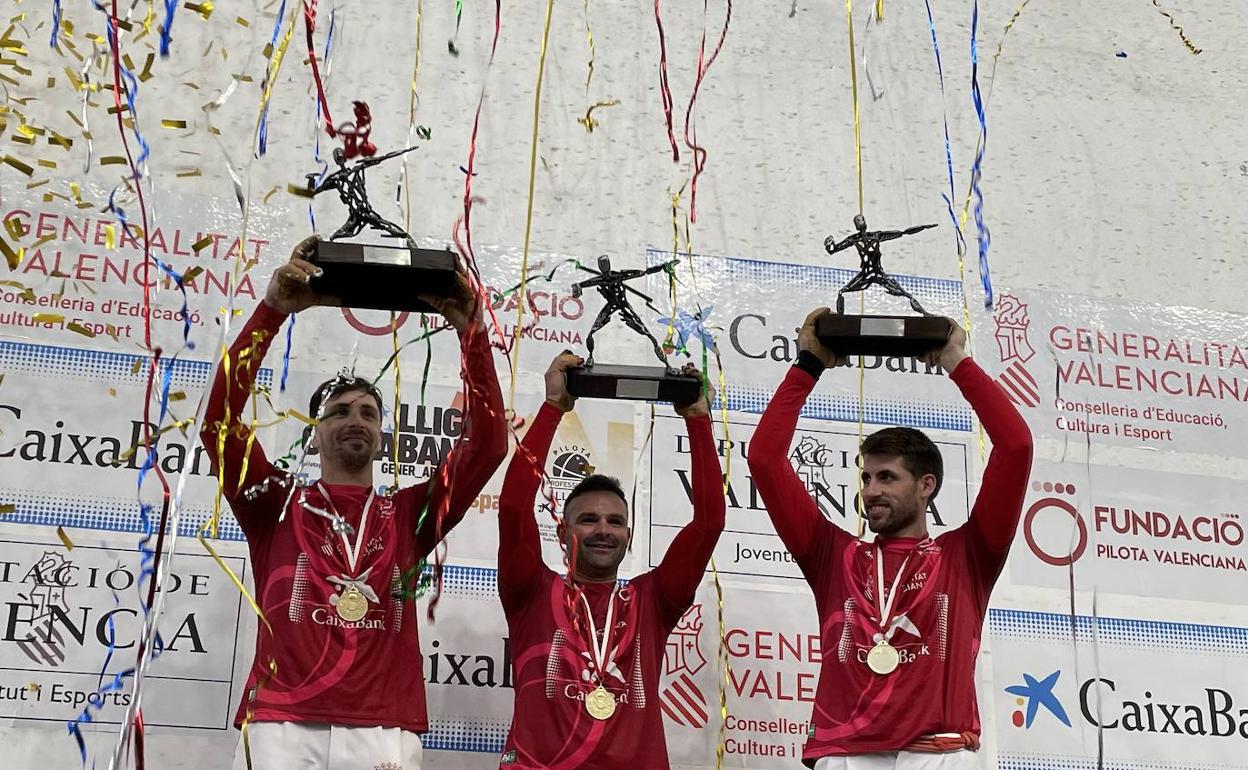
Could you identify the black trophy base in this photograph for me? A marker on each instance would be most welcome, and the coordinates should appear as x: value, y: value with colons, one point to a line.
x: 365, y: 275
x: 633, y: 383
x: 882, y: 335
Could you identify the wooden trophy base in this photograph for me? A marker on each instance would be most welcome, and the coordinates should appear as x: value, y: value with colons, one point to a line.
x: 882, y: 335
x: 366, y: 275
x: 633, y: 383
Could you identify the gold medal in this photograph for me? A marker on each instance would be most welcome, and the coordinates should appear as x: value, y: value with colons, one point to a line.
x: 600, y: 704
x: 352, y: 605
x: 883, y: 658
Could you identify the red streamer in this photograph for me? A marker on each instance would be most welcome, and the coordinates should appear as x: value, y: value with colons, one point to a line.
x: 704, y: 65
x: 309, y: 25
x: 665, y: 90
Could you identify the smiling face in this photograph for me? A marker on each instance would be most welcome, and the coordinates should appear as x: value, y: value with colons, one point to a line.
x: 349, y: 433
x: 895, y: 500
x: 596, y: 534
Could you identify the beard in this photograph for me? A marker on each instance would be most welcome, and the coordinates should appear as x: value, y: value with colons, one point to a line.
x: 351, y: 456
x: 898, y: 517
x: 600, y: 561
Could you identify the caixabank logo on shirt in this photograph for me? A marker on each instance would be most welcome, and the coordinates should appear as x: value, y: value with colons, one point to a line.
x: 1114, y: 703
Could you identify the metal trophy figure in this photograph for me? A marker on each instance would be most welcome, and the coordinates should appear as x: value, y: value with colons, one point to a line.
x: 367, y: 275
x: 643, y: 383
x: 888, y: 335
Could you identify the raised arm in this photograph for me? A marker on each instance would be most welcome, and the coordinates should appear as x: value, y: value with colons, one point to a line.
x: 225, y: 433
x: 995, y: 515
x: 483, y: 444
x: 797, y: 519
x: 678, y: 575
x: 519, y: 543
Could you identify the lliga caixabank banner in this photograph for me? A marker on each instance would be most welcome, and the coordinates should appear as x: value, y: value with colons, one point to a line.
x: 1087, y: 368
x: 1117, y: 692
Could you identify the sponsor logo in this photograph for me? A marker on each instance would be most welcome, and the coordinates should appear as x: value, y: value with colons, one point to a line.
x: 1129, y: 534
x: 1014, y: 347
x: 1034, y: 694
x: 682, y: 700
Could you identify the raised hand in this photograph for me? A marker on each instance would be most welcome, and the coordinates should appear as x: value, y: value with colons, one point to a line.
x: 289, y: 290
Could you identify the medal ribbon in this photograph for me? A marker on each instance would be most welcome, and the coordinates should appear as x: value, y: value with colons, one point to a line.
x: 340, y: 524
x: 885, y: 606
x: 599, y: 652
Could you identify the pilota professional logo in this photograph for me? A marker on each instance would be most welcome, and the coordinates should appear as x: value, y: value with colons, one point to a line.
x: 1014, y: 345
x: 682, y: 701
x: 1034, y: 694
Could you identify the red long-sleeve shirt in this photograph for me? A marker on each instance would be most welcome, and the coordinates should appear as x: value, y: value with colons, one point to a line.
x: 550, y: 728
x: 938, y: 615
x: 324, y: 668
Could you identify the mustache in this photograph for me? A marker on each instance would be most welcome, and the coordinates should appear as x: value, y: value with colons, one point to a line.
x: 602, y: 541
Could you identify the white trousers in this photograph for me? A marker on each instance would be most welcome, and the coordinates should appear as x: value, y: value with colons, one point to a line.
x: 901, y: 760
x: 313, y: 746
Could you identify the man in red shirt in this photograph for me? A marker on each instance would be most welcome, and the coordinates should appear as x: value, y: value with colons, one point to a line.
x: 334, y: 566
x: 587, y: 648
x: 896, y: 688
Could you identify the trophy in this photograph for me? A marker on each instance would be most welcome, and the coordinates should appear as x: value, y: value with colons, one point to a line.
x: 641, y: 383
x: 366, y: 275
x: 884, y: 335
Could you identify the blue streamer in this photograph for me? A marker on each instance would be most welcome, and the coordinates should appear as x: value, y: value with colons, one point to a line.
x: 264, y: 116
x: 984, y: 237
x: 56, y: 23
x: 290, y: 330
x: 166, y: 29
x: 940, y: 71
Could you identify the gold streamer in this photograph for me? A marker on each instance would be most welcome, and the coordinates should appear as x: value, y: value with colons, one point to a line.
x: 521, y: 294
x: 1187, y: 41
x: 275, y: 64
x: 862, y: 372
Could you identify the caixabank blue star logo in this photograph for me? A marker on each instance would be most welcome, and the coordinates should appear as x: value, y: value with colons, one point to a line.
x: 1034, y: 693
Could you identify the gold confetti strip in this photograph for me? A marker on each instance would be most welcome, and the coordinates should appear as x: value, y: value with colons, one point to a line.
x: 22, y: 139
x: 51, y: 82
x: 177, y: 395
x: 113, y: 160
x: 74, y: 326
x: 15, y: 228
x: 45, y: 239
x: 46, y: 163
x: 13, y: 258
x: 112, y: 392
x: 137, y: 366
x: 48, y: 318
x: 193, y: 273
x: 40, y: 183
x: 69, y: 544
x: 7, y: 507
x: 189, y: 173
x: 1187, y: 41
x: 204, y: 9
x: 300, y: 191
x: 271, y: 193
x: 110, y: 236
x: 189, y: 84
x: 19, y: 165
x: 146, y: 74
x: 201, y: 244
x: 61, y: 141
x: 240, y: 21
x: 171, y: 123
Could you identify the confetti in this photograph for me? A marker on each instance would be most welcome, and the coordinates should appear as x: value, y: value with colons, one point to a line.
x: 7, y: 508
x: 48, y: 318
x: 301, y: 191
x: 193, y: 273
x: 169, y: 123
x: 189, y: 173
x: 19, y: 165
x: 204, y: 9
x: 113, y: 160
x: 74, y: 326
x: 201, y: 244
x: 69, y: 544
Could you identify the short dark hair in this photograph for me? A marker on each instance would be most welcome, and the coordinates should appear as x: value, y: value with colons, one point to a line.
x: 596, y: 482
x: 916, y: 450
x: 330, y: 388
x: 337, y: 386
